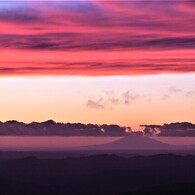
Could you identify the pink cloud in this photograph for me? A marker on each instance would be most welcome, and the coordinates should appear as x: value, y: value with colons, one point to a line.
x: 97, y: 38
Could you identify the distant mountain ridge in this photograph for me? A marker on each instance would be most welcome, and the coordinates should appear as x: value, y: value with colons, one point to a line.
x: 131, y: 142
x: 135, y: 142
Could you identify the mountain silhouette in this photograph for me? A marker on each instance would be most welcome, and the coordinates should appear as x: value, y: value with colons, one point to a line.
x: 132, y: 142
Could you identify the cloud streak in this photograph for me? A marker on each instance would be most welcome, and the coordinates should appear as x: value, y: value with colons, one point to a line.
x: 92, y: 68
x: 93, y: 41
x: 107, y: 37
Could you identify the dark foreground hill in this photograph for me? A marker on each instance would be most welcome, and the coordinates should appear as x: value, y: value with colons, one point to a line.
x: 99, y: 175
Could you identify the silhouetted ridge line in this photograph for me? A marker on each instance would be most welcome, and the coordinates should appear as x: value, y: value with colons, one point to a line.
x: 131, y: 142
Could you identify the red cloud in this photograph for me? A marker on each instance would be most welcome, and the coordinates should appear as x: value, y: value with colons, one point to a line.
x: 97, y: 38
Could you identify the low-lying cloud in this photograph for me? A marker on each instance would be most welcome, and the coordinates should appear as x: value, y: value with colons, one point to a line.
x: 52, y: 128
x: 179, y: 129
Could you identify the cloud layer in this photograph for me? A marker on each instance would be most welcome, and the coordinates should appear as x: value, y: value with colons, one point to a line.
x: 97, y: 37
x: 182, y: 129
x: 51, y: 128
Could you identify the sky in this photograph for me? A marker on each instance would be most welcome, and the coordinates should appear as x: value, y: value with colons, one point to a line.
x: 113, y: 62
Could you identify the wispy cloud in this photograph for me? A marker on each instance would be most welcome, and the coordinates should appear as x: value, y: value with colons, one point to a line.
x: 190, y: 94
x: 129, y: 96
x: 110, y: 100
x: 171, y: 91
x: 98, y: 104
x: 174, y: 89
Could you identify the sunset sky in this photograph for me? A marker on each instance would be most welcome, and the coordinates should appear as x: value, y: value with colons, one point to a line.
x: 114, y: 62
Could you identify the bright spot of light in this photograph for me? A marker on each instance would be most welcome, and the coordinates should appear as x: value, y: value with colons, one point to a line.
x: 102, y: 130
